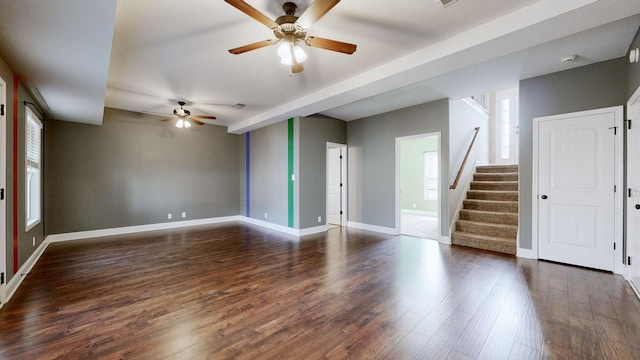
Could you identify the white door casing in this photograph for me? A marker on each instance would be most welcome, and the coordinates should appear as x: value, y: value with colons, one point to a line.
x: 3, y: 185
x: 577, y: 167
x: 633, y: 191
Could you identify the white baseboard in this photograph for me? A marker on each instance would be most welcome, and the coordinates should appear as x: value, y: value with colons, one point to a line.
x: 139, y: 228
x: 636, y: 290
x: 380, y: 229
x: 419, y: 212
x: 285, y: 229
x: 24, y: 270
x: 445, y: 240
x: 526, y: 254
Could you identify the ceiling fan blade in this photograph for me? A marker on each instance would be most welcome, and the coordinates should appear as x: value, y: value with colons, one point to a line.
x: 169, y: 119
x: 314, y: 12
x: 204, y: 117
x: 332, y: 45
x: 253, y: 12
x: 197, y: 122
x: 252, y: 46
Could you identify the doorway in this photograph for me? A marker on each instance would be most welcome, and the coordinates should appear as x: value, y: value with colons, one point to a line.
x: 336, y: 184
x: 418, y: 186
x: 506, y: 127
x: 3, y: 191
x: 577, y: 169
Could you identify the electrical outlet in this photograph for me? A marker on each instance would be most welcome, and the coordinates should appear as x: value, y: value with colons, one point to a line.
x: 169, y: 216
x: 184, y: 214
x: 266, y: 216
x: 319, y: 219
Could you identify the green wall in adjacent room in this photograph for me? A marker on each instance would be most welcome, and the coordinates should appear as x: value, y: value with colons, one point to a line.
x: 412, y: 173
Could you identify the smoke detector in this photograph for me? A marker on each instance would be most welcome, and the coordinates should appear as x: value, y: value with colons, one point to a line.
x: 569, y: 59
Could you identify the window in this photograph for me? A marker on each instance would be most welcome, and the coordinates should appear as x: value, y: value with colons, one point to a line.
x: 33, y: 164
x: 505, y: 128
x: 431, y: 175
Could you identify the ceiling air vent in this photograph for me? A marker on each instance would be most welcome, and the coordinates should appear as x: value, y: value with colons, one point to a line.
x: 445, y: 3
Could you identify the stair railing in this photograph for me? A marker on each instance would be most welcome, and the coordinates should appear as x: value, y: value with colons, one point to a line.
x: 464, y: 161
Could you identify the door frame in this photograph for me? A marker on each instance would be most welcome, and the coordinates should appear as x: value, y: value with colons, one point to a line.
x: 343, y: 180
x: 618, y: 111
x: 441, y: 182
x: 3, y: 185
x: 633, y: 113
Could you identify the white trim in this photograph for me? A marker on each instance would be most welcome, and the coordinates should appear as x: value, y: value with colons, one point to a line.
x: 139, y: 228
x: 526, y: 254
x: 3, y: 179
x: 445, y: 240
x: 475, y: 106
x: 285, y: 229
x: 376, y: 228
x: 618, y: 111
x: 633, y: 113
x: 24, y: 270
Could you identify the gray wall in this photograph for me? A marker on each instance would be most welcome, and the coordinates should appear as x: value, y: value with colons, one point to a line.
x: 268, y: 170
x: 134, y: 170
x: 372, y: 156
x: 589, y: 87
x: 314, y: 133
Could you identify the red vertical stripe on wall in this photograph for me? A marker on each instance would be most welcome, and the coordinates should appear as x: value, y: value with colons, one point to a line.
x: 15, y: 173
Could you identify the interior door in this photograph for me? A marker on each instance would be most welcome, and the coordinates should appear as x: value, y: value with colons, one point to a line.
x: 633, y: 192
x: 334, y: 185
x: 3, y: 191
x: 576, y: 178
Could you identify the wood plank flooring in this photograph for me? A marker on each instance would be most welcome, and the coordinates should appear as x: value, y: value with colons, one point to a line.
x: 235, y: 291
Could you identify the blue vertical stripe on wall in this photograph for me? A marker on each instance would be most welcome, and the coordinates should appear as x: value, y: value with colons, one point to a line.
x: 248, y: 173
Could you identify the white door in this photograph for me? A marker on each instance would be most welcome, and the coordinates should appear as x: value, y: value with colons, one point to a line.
x: 336, y: 173
x: 633, y: 192
x: 575, y: 195
x: 3, y: 191
x: 506, y: 127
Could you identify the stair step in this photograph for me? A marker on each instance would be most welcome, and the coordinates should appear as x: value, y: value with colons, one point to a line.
x: 497, y: 169
x: 492, y: 195
x: 489, y: 229
x: 489, y: 217
x: 490, y: 205
x: 495, y: 185
x: 495, y: 176
x: 501, y: 245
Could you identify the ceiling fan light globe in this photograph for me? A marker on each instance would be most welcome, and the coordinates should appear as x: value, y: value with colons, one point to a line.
x: 180, y: 124
x: 187, y: 124
x: 284, y: 50
x: 300, y: 55
x: 286, y: 60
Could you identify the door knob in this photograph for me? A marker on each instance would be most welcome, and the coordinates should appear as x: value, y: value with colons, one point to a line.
x: 544, y: 197
x: 638, y: 206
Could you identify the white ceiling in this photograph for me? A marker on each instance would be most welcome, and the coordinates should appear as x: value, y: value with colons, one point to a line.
x: 160, y: 51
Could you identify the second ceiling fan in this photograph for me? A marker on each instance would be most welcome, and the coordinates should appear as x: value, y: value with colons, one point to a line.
x: 290, y: 30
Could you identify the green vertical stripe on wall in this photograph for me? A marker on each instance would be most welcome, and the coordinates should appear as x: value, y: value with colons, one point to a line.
x: 290, y: 171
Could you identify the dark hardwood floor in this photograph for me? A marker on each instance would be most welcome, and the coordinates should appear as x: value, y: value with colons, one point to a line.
x: 235, y: 291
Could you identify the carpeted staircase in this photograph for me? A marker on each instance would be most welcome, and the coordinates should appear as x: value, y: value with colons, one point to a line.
x: 489, y: 218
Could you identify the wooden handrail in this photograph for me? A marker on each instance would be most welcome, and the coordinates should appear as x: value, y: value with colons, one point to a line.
x: 466, y: 156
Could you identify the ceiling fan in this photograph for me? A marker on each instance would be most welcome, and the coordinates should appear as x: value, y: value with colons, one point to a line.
x: 185, y: 118
x: 291, y: 30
